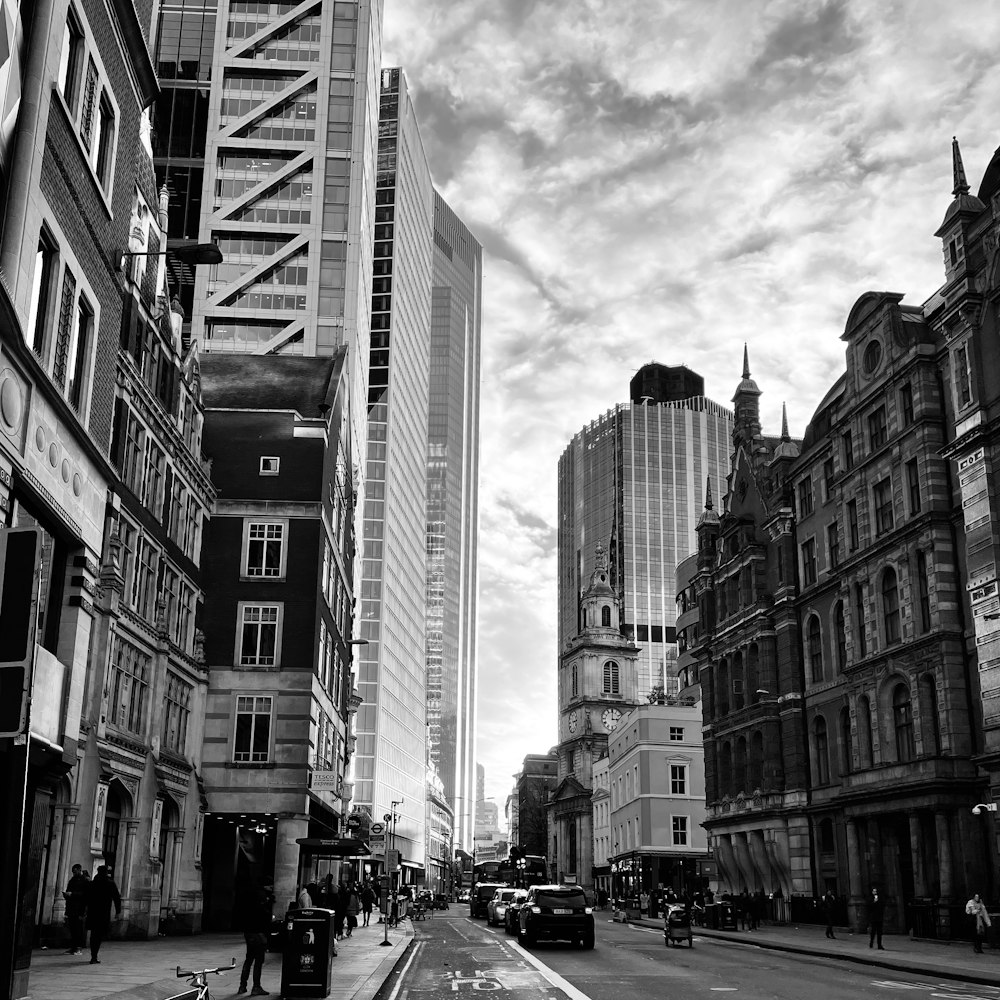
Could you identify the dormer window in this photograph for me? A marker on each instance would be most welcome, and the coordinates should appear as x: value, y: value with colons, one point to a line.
x: 953, y: 251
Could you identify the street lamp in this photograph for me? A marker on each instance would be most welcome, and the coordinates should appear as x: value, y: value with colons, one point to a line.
x: 980, y: 807
x: 186, y: 252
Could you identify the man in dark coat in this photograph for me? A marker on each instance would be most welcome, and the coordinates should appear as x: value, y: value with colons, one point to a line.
x: 256, y: 931
x: 368, y: 900
x: 103, y: 892
x: 77, y: 891
x: 830, y: 911
x: 876, y: 914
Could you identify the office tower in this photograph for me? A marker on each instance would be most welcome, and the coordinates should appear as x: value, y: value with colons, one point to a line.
x: 391, y: 760
x: 453, y: 509
x: 634, y: 480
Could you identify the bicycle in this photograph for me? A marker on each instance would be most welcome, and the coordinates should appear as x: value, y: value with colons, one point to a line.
x: 198, y: 981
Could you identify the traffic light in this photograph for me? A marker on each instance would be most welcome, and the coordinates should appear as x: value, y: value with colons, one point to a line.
x: 515, y: 853
x: 19, y: 548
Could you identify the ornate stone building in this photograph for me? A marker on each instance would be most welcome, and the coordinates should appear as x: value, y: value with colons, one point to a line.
x: 598, y: 684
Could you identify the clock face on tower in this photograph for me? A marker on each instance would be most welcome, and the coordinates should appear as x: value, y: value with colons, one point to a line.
x: 572, y: 722
x: 610, y: 717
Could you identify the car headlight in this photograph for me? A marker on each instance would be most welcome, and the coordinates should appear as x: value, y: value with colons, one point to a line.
x: 536, y: 909
x: 588, y: 909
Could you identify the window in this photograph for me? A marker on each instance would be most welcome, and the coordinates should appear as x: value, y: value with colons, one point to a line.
x: 878, y: 429
x: 132, y: 450
x: 79, y: 353
x: 882, y: 496
x: 930, y: 730
x: 864, y: 732
x: 252, y: 744
x: 64, y: 329
x: 847, y: 438
x: 853, y: 534
x: 153, y: 474
x: 265, y: 545
x: 606, y: 616
x: 828, y: 475
x: 963, y: 375
x: 845, y: 741
x: 821, y: 748
x: 128, y: 686
x: 177, y: 711
x: 678, y: 779
x: 861, y: 641
x: 913, y: 485
x: 906, y: 404
x: 41, y: 289
x: 902, y: 721
x: 269, y: 465
x: 144, y: 577
x: 185, y: 617
x: 840, y: 628
x: 259, y: 635
x: 575, y: 673
x: 923, y: 592
x: 809, y: 562
x: 806, y: 497
x: 70, y: 60
x: 833, y: 544
x: 170, y: 594
x: 677, y: 734
x: 104, y: 141
x: 679, y: 829
x: 890, y: 607
x: 611, y: 684
x: 814, y: 641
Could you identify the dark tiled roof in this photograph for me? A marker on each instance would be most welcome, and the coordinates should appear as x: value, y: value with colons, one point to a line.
x: 267, y: 382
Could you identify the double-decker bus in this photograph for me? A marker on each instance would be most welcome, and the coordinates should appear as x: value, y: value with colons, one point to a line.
x: 529, y: 870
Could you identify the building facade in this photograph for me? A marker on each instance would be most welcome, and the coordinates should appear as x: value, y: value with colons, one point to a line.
x: 390, y: 765
x: 634, y: 479
x: 535, y: 781
x: 279, y: 614
x: 597, y: 686
x: 453, y: 507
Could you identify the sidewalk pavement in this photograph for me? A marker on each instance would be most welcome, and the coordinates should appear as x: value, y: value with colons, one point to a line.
x: 145, y: 970
x: 921, y: 956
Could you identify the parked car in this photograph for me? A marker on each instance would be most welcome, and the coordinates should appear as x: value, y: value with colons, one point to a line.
x: 496, y: 908
x: 482, y: 893
x: 556, y: 913
x: 510, y: 918
x: 463, y: 896
x: 440, y: 901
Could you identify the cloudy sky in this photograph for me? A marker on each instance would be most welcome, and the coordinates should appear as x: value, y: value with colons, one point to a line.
x: 663, y: 181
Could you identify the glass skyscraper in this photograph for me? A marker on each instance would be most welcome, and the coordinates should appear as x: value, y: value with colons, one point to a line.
x: 390, y: 762
x: 453, y: 512
x: 634, y: 479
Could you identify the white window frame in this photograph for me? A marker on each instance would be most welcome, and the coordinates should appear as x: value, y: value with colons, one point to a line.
x: 676, y: 821
x: 676, y: 734
x: 683, y: 779
x: 270, y: 465
x: 249, y: 526
x: 241, y: 609
x: 247, y: 704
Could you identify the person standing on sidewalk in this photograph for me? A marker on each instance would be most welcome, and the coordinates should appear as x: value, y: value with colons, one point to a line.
x: 367, y: 902
x: 103, y: 893
x: 77, y: 891
x: 981, y: 922
x: 256, y: 931
x: 876, y: 915
x: 352, y: 908
x: 829, y: 912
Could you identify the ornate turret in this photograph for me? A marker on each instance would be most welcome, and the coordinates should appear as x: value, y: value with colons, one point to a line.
x: 599, y: 606
x: 963, y: 209
x: 746, y: 401
x: 786, y: 447
x: 708, y: 529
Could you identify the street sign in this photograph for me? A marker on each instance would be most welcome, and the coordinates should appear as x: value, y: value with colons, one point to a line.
x: 377, y: 844
x: 376, y: 829
x: 353, y: 822
x: 392, y: 860
x: 325, y: 781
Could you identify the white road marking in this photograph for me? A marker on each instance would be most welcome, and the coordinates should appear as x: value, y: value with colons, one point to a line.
x: 723, y: 989
x: 404, y: 970
x: 553, y: 977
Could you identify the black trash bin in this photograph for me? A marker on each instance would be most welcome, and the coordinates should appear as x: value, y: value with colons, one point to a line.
x: 307, y: 961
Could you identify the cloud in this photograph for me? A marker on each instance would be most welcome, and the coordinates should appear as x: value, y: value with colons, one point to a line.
x: 665, y: 180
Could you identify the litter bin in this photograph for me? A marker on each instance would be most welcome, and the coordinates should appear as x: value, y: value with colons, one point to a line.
x: 307, y: 962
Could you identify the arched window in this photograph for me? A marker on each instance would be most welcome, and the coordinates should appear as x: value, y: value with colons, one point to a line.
x: 840, y: 635
x: 821, y: 749
x: 757, y: 760
x: 723, y: 688
x: 611, y: 678
x: 738, y: 682
x: 606, y: 616
x: 890, y: 606
x: 930, y: 728
x: 815, y: 647
x: 845, y: 741
x: 576, y: 680
x: 740, y: 765
x: 726, y: 770
x: 864, y: 732
x: 583, y: 618
x: 902, y: 722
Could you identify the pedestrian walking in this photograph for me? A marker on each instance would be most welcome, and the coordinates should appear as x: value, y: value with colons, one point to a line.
x: 829, y: 911
x: 367, y: 902
x: 352, y: 909
x: 340, y: 910
x: 102, y: 894
x: 981, y: 922
x: 304, y: 900
x: 644, y: 903
x: 876, y: 915
x: 77, y: 891
x: 256, y: 932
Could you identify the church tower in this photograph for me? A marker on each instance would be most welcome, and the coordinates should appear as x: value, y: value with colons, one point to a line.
x: 598, y: 686
x: 746, y: 402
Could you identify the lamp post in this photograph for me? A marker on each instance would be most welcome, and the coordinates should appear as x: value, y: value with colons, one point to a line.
x: 186, y: 252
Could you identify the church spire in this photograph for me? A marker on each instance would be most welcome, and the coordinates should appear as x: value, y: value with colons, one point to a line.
x: 958, y: 169
x: 784, y: 423
x: 746, y: 361
x: 708, y: 493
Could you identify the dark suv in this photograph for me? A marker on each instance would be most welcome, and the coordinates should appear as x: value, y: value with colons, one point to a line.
x: 482, y: 893
x: 556, y: 912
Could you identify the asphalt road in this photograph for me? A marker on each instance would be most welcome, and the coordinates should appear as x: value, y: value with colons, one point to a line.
x: 455, y: 957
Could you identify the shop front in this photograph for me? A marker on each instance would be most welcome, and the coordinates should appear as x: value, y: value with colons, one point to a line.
x: 636, y: 872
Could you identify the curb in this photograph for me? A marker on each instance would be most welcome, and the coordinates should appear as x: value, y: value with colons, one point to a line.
x: 965, y: 975
x: 370, y: 987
